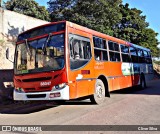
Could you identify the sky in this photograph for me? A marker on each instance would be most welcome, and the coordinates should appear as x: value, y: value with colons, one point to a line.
x: 150, y: 8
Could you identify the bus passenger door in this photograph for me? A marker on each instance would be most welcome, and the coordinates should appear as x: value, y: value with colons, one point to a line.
x: 80, y: 64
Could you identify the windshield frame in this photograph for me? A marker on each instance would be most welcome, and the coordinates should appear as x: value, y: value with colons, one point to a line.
x: 37, y: 38
x: 54, y: 27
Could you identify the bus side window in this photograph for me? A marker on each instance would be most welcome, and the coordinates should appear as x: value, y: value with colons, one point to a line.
x: 114, y: 51
x: 80, y: 51
x: 100, y: 49
x: 71, y: 48
x: 141, y: 58
x: 97, y: 54
x: 86, y: 50
x: 125, y: 53
x: 76, y: 49
x: 114, y: 56
x: 147, y: 56
x: 134, y: 56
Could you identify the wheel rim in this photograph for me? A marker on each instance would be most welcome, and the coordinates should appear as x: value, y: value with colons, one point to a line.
x: 99, y: 95
x: 99, y: 91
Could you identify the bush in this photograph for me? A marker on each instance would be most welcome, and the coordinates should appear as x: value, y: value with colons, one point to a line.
x: 157, y: 62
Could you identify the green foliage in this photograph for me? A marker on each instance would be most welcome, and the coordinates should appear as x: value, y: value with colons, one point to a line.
x: 134, y: 28
x: 131, y: 25
x: 107, y: 16
x: 95, y: 14
x: 149, y: 41
x: 156, y: 62
x: 28, y: 7
x: 58, y: 8
x: 1, y: 41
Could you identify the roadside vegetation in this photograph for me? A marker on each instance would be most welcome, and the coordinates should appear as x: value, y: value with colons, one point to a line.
x: 156, y: 67
x: 107, y: 16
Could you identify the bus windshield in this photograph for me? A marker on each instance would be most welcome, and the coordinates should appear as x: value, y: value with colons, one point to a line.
x: 40, y: 55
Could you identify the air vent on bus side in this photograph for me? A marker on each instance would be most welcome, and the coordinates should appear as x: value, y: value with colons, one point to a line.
x: 37, y: 79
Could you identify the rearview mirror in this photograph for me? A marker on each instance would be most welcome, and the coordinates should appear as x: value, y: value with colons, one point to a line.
x: 7, y: 55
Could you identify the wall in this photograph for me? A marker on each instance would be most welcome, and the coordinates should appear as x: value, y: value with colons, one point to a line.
x: 11, y: 24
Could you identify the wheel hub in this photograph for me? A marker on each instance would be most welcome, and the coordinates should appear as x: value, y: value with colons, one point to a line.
x: 99, y: 91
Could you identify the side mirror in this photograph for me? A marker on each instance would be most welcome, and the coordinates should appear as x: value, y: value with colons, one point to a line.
x: 7, y: 53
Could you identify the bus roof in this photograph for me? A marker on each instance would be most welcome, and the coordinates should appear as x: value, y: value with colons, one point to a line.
x: 93, y: 32
x: 139, y: 47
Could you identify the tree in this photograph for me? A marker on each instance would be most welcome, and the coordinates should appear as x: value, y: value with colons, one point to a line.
x: 57, y: 8
x: 28, y: 7
x: 107, y: 16
x: 134, y: 28
x: 150, y: 41
x: 95, y: 14
x: 131, y: 25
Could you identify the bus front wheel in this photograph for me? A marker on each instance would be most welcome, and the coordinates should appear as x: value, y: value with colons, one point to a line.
x: 99, y: 95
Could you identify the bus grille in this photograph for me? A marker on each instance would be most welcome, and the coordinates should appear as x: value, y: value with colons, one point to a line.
x: 40, y: 89
x: 37, y: 79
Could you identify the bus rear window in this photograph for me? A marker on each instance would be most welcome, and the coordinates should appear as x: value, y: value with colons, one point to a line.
x: 42, y: 30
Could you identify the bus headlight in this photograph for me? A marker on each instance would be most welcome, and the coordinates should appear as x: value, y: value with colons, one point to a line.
x: 20, y: 90
x: 59, y: 86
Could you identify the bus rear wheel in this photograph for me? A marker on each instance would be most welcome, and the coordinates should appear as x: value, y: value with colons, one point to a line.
x: 99, y: 95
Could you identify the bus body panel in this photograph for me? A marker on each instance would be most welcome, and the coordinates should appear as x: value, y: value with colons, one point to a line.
x: 82, y: 78
x: 81, y: 81
x: 36, y: 82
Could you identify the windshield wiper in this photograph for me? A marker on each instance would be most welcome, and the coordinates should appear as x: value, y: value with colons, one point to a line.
x: 28, y: 50
x: 46, y: 43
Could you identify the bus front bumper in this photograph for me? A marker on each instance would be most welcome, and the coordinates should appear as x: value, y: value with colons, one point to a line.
x: 61, y: 94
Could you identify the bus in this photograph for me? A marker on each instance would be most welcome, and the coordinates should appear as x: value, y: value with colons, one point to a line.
x: 63, y: 60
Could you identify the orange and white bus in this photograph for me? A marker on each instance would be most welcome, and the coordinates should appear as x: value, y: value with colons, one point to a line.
x: 63, y: 61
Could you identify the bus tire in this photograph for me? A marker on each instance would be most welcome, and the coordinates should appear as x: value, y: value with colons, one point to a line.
x: 143, y: 82
x: 99, y: 95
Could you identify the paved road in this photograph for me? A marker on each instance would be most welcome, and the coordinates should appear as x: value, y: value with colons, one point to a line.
x: 126, y: 107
